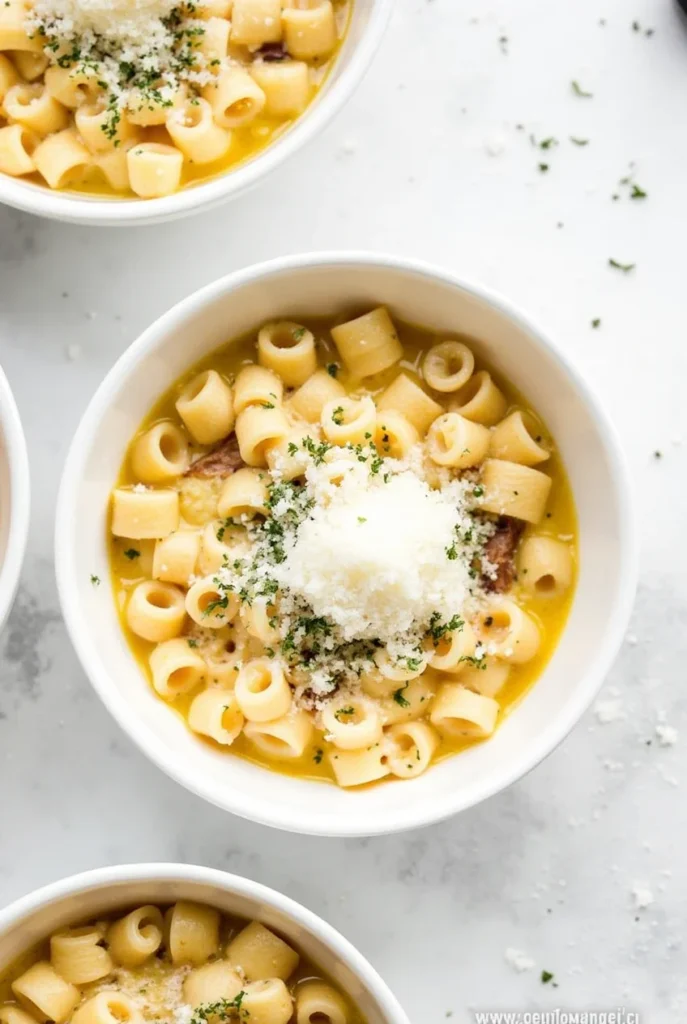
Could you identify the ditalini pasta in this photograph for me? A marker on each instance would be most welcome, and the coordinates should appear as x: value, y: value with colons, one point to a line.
x: 186, y: 964
x: 142, y: 99
x: 343, y: 550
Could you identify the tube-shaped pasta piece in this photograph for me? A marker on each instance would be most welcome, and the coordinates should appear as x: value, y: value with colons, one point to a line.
x: 408, y: 701
x: 30, y: 65
x: 311, y: 31
x: 514, y: 490
x: 254, y: 22
x: 97, y: 130
x: 13, y: 31
x: 286, y: 85
x: 192, y: 932
x: 211, y: 983
x: 78, y: 957
x: 285, y: 739
x: 151, y: 106
x: 8, y: 76
x: 258, y: 428
x: 352, y: 723
x: 154, y: 169
x: 62, y: 159
x: 480, y: 400
x: 508, y: 632
x: 256, y: 385
x: 399, y: 671
x: 456, y: 442
x: 452, y: 648
x: 215, y: 9
x: 114, y: 166
x: 261, y: 954
x: 395, y: 436
x: 267, y: 1002
x: 513, y: 440
x: 447, y: 366
x: 288, y: 349
x: 144, y: 515
x: 408, y: 398
x: 257, y: 617
x: 70, y: 86
x: 17, y: 146
x: 176, y: 668
x: 160, y: 454
x: 545, y: 566
x: 214, y: 43
x: 193, y: 130
x: 136, y: 936
x: 410, y: 748
x: 215, y: 713
x: 349, y: 420
x: 488, y: 678
x: 243, y: 494
x: 261, y: 690
x: 236, y: 99
x: 108, y: 1007
x: 211, y: 605
x: 199, y: 498
x: 357, y: 767
x: 10, y: 1013
x: 34, y: 107
x: 286, y: 463
x: 175, y: 557
x: 460, y: 713
x: 311, y: 397
x: 317, y: 1001
x: 220, y: 543
x: 155, y: 611
x: 206, y: 407
x: 368, y: 344
x: 45, y: 994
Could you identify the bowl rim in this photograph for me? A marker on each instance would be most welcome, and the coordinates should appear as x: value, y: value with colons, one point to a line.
x: 44, y: 202
x: 413, y: 815
x: 20, y: 497
x: 98, y: 878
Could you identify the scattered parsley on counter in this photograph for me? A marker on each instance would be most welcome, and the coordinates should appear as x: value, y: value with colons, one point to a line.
x: 637, y: 193
x: 543, y: 168
x: 625, y: 267
x: 579, y: 91
x: 596, y: 322
x: 658, y: 454
x: 579, y: 142
x: 546, y: 977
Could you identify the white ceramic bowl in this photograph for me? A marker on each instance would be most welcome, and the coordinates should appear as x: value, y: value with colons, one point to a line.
x: 95, y: 893
x: 14, y: 498
x: 319, y: 284
x: 364, y: 35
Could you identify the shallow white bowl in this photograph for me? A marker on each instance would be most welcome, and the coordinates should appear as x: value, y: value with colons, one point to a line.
x: 364, y: 35
x: 321, y: 284
x: 14, y: 498
x: 95, y: 893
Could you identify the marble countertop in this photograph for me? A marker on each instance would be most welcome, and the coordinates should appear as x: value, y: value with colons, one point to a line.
x: 581, y: 866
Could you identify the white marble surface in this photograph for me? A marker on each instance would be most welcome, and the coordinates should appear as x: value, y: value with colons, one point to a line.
x: 427, y: 160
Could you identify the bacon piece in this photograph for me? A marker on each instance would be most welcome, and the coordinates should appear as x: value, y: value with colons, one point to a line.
x: 223, y: 460
x: 272, y: 52
x: 500, y: 551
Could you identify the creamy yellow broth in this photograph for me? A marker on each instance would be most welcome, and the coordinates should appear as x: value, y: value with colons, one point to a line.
x: 560, y: 522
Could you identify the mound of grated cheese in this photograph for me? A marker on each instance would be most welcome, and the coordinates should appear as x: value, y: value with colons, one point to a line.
x: 372, y: 556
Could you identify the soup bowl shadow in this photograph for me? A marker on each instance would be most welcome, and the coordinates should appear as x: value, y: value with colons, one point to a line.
x: 330, y: 284
x: 14, y: 498
x: 93, y: 894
